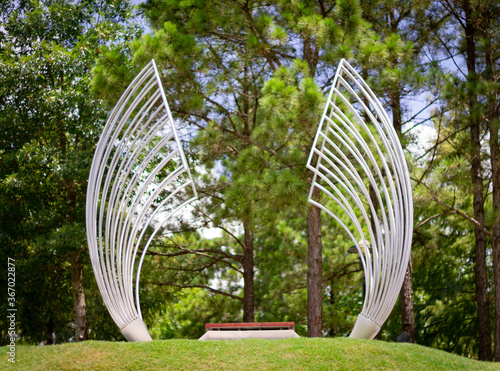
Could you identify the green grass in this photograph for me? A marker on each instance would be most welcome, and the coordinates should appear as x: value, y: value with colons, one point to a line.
x: 252, y: 354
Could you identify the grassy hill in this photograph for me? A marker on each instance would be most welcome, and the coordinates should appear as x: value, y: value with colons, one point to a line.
x: 252, y: 354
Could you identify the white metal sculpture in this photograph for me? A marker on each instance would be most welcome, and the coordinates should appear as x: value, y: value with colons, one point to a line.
x: 358, y: 164
x: 139, y: 178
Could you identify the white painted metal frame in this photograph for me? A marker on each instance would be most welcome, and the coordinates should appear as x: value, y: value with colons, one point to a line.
x: 138, y: 180
x: 355, y: 148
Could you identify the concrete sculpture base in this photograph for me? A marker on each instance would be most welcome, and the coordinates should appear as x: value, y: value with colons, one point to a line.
x: 136, y: 331
x: 252, y: 334
x: 249, y: 330
x: 364, y: 328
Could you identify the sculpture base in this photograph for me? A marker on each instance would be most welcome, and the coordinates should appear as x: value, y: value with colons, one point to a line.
x: 136, y: 331
x: 250, y: 334
x: 365, y: 328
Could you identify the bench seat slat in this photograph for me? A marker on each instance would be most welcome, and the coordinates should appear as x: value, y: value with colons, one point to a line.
x: 250, y: 326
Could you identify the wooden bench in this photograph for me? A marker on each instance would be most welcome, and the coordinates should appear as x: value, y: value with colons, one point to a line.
x: 249, y: 330
x: 249, y: 326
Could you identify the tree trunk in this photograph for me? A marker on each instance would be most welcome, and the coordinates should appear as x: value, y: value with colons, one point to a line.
x: 483, y: 304
x: 373, y: 199
x: 406, y: 300
x: 406, y: 293
x: 49, y: 331
x: 493, y: 121
x: 248, y: 273
x: 314, y: 272
x: 81, y: 328
x: 495, y: 155
x: 483, y: 312
x: 397, y: 120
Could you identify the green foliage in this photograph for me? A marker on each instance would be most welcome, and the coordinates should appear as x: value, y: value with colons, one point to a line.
x: 445, y: 292
x: 186, y: 317
x: 50, y: 123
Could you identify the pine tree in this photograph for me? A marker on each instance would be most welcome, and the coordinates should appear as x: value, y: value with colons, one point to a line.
x: 468, y: 37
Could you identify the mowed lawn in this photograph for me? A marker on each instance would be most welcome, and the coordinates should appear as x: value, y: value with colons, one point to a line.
x: 251, y: 354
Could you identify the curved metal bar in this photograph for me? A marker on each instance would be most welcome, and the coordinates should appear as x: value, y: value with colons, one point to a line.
x: 95, y: 247
x: 139, y: 177
x: 355, y: 148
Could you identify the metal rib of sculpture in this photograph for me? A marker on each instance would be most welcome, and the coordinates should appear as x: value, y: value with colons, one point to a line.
x: 359, y: 165
x: 139, y: 178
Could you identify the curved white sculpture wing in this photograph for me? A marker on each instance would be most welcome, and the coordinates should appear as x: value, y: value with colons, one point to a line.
x: 139, y: 178
x: 356, y: 150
